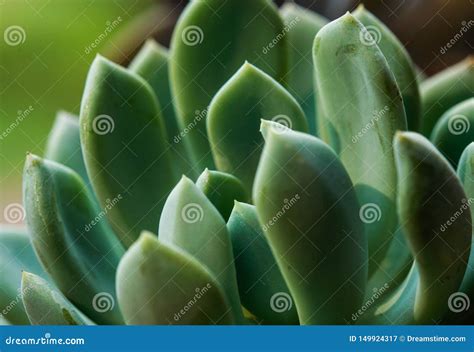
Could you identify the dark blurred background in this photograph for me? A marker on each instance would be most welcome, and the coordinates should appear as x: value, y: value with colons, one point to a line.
x: 46, y: 69
x: 423, y: 26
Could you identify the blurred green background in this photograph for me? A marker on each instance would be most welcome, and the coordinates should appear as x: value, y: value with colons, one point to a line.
x: 45, y: 68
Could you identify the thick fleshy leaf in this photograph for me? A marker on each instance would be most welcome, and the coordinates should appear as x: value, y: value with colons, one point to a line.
x: 466, y: 175
x: 222, y: 190
x: 393, y: 268
x: 431, y: 202
x: 159, y: 284
x: 16, y: 254
x: 312, y: 226
x: 302, y: 25
x: 455, y: 130
x: 212, y: 39
x: 234, y: 119
x: 151, y: 63
x: 47, y: 306
x: 262, y: 288
x: 71, y: 238
x: 190, y: 222
x: 420, y: 75
x: 64, y: 144
x: 125, y: 148
x: 360, y: 120
x: 444, y: 90
x: 399, y: 61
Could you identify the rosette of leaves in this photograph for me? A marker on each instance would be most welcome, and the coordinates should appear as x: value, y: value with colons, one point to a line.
x: 201, y: 185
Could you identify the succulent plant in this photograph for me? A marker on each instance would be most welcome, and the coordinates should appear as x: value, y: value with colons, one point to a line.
x: 271, y: 168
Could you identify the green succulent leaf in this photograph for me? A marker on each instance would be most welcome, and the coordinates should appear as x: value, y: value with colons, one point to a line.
x: 71, y: 238
x: 159, y: 284
x: 190, y: 221
x: 16, y: 254
x: 466, y: 174
x: 420, y: 76
x: 249, y: 96
x: 311, y: 239
x: 393, y: 268
x: 262, y: 288
x: 399, y: 61
x: 47, y: 306
x: 444, y: 90
x: 125, y: 148
x: 302, y: 25
x: 151, y: 63
x: 455, y: 130
x: 212, y: 39
x: 430, y: 195
x: 359, y: 122
x: 64, y: 144
x: 465, y: 170
x: 222, y: 190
